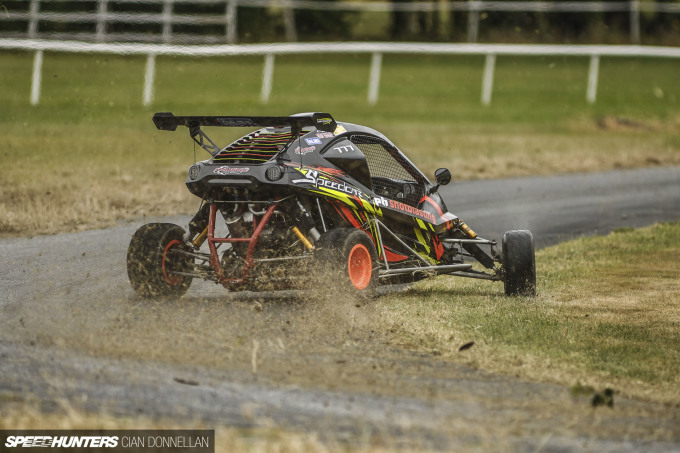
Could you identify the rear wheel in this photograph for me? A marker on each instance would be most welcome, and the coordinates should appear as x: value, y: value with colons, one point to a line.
x: 154, y: 259
x: 519, y: 263
x: 351, y: 253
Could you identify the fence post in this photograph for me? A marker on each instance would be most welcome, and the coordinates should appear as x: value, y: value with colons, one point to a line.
x: 635, y: 21
x: 33, y: 21
x: 487, y: 82
x: 444, y: 20
x: 35, y: 80
x: 232, y: 21
x: 289, y: 20
x: 374, y: 78
x: 167, y: 20
x: 267, y: 78
x: 473, y: 21
x: 149, y: 76
x: 593, y: 72
x: 102, y: 6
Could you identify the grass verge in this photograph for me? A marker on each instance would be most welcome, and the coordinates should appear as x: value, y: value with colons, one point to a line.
x: 607, y: 316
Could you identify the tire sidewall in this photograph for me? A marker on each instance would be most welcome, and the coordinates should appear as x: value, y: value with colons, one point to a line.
x: 148, y: 264
x: 519, y: 263
x: 335, y: 248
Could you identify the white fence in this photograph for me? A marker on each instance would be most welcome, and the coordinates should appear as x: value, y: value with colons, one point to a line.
x: 270, y: 51
x: 100, y: 16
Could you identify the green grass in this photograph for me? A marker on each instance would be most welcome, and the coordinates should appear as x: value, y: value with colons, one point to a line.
x: 414, y: 88
x: 91, y: 139
x: 607, y: 315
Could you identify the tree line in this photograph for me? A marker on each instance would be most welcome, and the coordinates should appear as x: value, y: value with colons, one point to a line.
x: 268, y: 24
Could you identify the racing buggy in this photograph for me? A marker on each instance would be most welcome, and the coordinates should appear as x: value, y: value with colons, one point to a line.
x: 303, y: 193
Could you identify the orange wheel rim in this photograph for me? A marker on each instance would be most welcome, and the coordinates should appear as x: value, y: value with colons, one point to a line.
x: 171, y: 279
x: 359, y: 266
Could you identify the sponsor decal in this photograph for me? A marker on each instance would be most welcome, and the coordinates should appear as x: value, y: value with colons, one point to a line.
x: 344, y: 149
x: 303, y: 151
x: 411, y: 210
x: 324, y: 121
x: 339, y: 130
x: 325, y: 134
x: 312, y: 177
x: 381, y: 201
x: 224, y: 170
x: 313, y: 141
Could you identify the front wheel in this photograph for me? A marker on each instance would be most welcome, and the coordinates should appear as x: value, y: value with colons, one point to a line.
x: 155, y: 262
x: 519, y: 263
x: 351, y: 253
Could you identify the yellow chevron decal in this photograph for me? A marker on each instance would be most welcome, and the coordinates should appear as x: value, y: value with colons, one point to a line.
x: 424, y: 243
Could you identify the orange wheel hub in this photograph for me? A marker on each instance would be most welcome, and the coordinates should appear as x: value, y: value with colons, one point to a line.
x: 359, y: 266
x: 171, y: 279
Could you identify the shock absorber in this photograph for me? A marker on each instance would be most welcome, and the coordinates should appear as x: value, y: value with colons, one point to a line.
x: 302, y: 238
x: 473, y: 249
x: 198, y: 224
x: 467, y: 230
x: 307, y: 222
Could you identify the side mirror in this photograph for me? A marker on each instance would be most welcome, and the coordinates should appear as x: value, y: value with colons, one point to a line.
x: 442, y: 176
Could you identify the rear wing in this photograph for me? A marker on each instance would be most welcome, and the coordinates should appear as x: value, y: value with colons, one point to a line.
x: 166, y: 121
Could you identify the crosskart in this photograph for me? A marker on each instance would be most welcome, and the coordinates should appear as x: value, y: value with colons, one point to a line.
x: 305, y: 193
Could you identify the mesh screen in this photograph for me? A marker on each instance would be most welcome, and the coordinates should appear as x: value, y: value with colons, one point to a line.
x: 389, y: 172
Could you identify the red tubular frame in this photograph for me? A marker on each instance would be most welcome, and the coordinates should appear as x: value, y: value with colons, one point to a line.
x: 249, y: 262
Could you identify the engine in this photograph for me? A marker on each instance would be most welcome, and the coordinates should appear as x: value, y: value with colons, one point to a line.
x: 275, y: 240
